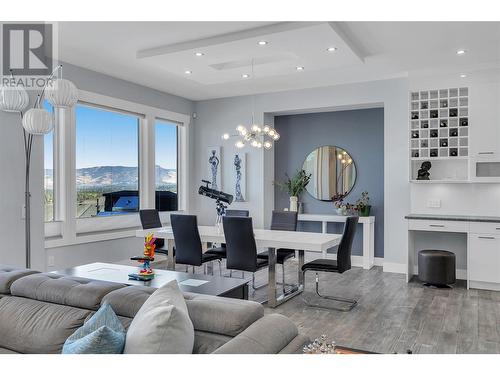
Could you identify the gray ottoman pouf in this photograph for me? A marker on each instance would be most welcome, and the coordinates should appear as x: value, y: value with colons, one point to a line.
x: 436, y: 267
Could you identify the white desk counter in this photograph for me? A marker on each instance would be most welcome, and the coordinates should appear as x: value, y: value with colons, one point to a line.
x: 368, y: 222
x: 483, y: 245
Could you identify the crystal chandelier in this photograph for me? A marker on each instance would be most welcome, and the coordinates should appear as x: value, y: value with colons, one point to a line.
x: 257, y: 136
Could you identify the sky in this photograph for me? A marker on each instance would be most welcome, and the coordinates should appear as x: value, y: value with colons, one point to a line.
x: 109, y: 138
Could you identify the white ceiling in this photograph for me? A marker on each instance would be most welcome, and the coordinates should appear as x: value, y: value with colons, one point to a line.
x: 157, y: 54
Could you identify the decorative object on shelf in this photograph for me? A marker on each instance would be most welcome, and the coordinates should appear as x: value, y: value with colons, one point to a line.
x: 362, y: 205
x: 423, y: 173
x: 36, y: 121
x: 239, y: 162
x: 145, y: 273
x: 333, y: 172
x: 321, y: 345
x: 294, y: 187
x: 257, y: 135
x: 343, y: 208
x: 214, y: 166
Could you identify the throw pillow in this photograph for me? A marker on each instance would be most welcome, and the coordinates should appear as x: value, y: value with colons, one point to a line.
x: 103, y: 333
x: 162, y: 325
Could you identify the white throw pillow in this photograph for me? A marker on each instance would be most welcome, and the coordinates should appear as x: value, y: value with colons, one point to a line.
x: 162, y: 325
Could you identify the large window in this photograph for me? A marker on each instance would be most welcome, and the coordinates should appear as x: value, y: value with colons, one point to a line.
x: 166, y: 198
x: 48, y: 165
x: 107, y: 162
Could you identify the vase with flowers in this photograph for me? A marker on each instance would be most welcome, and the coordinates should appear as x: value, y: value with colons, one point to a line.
x: 294, y: 187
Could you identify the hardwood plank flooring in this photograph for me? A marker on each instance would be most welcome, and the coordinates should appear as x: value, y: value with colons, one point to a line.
x: 392, y: 316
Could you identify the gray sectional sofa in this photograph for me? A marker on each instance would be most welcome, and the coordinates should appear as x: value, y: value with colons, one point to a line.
x: 39, y: 311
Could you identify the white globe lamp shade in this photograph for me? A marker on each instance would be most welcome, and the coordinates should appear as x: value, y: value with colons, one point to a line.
x: 37, y: 121
x: 13, y: 99
x: 62, y: 93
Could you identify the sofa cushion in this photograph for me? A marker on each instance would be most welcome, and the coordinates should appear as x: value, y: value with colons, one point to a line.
x: 268, y: 335
x: 29, y: 326
x: 103, y: 333
x: 225, y: 316
x: 207, y: 342
x: 162, y: 325
x: 63, y: 290
x: 10, y: 274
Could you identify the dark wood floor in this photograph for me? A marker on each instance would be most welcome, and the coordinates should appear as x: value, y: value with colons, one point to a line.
x: 393, y: 316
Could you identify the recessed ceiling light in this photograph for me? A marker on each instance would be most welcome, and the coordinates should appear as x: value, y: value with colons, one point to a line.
x: 199, y: 54
x: 299, y: 68
x: 188, y: 72
x: 461, y: 52
x: 262, y: 42
x: 245, y: 75
x: 331, y: 49
x: 463, y: 75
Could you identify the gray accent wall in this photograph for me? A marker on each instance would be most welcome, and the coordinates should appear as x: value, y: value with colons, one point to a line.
x: 361, y: 133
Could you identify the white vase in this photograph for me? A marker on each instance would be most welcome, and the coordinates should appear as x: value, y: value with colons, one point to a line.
x: 294, y: 204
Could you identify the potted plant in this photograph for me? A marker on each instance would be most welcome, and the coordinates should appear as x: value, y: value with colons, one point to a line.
x: 362, y: 204
x: 294, y: 187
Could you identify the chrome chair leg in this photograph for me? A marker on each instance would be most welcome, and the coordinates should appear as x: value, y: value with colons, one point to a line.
x: 187, y: 268
x: 204, y: 268
x: 352, y: 303
x: 283, y: 277
x: 220, y: 267
x: 253, y: 283
x: 230, y: 273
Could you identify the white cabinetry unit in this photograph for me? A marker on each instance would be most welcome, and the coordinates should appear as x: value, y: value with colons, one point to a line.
x: 483, y: 245
x: 484, y: 258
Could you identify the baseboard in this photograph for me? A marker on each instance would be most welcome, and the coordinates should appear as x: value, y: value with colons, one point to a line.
x: 395, y: 267
x: 484, y: 285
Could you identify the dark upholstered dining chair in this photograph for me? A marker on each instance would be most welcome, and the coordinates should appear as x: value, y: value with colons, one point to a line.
x: 221, y: 251
x: 341, y: 265
x: 241, y: 247
x: 282, y: 220
x: 188, y: 248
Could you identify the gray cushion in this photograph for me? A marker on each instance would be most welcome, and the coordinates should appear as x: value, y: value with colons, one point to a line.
x: 207, y: 342
x: 226, y: 316
x: 7, y: 351
x: 296, y: 345
x: 29, y: 326
x: 10, y: 274
x: 268, y: 335
x: 63, y: 290
x: 162, y: 325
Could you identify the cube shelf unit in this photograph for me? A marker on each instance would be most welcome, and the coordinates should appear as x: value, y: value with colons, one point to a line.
x: 439, y: 131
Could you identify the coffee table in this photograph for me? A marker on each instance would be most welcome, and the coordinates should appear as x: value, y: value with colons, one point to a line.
x: 194, y: 283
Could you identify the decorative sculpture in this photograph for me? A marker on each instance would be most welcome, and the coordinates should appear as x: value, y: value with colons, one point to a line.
x: 423, y: 173
x: 237, y: 165
x: 214, y: 161
x: 145, y: 273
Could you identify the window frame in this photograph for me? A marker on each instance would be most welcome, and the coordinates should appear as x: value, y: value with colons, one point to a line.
x: 167, y: 122
x: 68, y: 229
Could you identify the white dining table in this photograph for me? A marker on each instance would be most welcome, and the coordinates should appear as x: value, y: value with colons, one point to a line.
x: 265, y: 238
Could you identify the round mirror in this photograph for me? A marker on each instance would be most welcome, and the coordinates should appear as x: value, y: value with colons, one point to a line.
x: 332, y: 170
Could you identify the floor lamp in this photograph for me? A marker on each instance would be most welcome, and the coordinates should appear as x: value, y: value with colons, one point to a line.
x: 36, y: 121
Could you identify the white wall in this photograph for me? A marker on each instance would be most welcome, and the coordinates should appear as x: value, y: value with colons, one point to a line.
x: 12, y: 186
x: 215, y: 117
